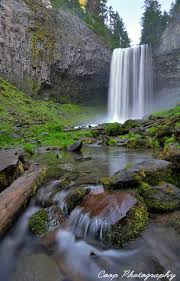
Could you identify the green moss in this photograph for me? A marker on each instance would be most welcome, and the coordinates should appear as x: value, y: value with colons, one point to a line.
x: 29, y: 148
x: 3, y: 181
x: 106, y: 182
x: 171, y: 141
x: 165, y: 113
x: 113, y: 129
x: 112, y: 142
x: 29, y: 119
x: 130, y: 124
x: 75, y: 197
x: 130, y: 227
x: 37, y: 222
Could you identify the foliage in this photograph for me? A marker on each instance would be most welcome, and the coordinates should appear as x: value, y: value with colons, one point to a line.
x: 130, y: 227
x: 99, y: 17
x: 113, y: 129
x: 28, y: 123
x: 29, y: 148
x: 37, y: 222
x: 153, y: 23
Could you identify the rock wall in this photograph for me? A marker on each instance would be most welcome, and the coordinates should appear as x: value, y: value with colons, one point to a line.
x: 167, y: 64
x: 51, y: 54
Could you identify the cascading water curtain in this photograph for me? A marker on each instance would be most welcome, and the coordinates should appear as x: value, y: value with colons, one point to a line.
x: 131, y: 84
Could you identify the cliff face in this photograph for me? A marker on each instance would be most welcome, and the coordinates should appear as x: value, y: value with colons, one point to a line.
x: 167, y: 62
x: 51, y: 54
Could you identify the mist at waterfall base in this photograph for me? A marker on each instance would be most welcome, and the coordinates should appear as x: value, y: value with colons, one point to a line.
x: 131, y: 84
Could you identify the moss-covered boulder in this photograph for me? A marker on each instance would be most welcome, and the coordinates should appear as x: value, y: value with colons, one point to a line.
x: 75, y: 197
x: 151, y: 171
x: 131, y: 124
x: 37, y: 222
x: 129, y: 227
x: 174, y: 221
x: 114, y: 218
x: 46, y: 220
x: 113, y: 129
x: 162, y: 197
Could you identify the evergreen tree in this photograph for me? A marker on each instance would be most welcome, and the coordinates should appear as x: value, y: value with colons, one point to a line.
x: 153, y: 23
x: 120, y: 33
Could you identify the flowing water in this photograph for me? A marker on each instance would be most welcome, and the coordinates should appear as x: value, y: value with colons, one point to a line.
x: 72, y: 259
x: 131, y: 86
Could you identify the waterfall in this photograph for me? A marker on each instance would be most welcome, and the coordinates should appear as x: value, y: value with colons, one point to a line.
x: 131, y: 86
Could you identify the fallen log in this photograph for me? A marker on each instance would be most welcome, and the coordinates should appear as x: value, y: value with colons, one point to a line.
x: 15, y: 197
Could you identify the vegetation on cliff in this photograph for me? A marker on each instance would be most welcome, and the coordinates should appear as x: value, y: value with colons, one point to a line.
x: 154, y: 21
x: 100, y: 18
x: 29, y: 123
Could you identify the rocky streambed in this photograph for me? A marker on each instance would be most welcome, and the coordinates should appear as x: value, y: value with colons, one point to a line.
x: 104, y: 209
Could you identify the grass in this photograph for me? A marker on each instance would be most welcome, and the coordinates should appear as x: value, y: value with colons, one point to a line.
x: 165, y: 113
x: 28, y: 123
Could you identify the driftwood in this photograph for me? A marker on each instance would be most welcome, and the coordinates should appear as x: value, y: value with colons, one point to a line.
x: 15, y: 197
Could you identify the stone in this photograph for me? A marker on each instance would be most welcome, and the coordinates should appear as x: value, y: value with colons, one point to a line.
x: 54, y: 60
x: 151, y: 171
x: 55, y: 217
x: 75, y: 197
x: 77, y: 146
x: 12, y: 165
x: 162, y: 197
x: 83, y: 158
x: 114, y: 218
x: 167, y: 64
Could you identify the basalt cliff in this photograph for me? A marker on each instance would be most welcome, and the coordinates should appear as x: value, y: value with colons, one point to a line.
x: 167, y: 63
x: 52, y: 54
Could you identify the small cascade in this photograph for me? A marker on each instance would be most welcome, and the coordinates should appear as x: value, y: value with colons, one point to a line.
x: 98, y: 212
x: 131, y: 86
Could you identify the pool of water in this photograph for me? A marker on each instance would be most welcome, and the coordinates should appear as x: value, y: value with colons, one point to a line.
x: 157, y: 250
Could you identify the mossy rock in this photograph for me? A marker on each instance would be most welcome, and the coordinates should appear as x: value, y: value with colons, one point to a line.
x: 174, y: 221
x: 37, y: 222
x: 142, y: 142
x: 113, y: 129
x: 131, y: 124
x: 130, y: 227
x: 75, y: 197
x: 151, y: 171
x: 161, y: 198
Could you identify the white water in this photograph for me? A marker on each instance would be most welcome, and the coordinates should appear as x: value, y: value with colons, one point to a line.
x: 131, y: 86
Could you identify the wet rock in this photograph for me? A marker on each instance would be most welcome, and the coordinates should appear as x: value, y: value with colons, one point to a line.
x: 172, y: 154
x: 83, y: 158
x: 111, y: 217
x: 55, y: 217
x: 75, y: 197
x: 37, y: 267
x: 151, y: 171
x: 131, y: 124
x: 162, y: 197
x: 46, y: 220
x: 45, y: 196
x: 67, y: 167
x: 77, y: 146
x: 174, y: 221
x: 12, y: 165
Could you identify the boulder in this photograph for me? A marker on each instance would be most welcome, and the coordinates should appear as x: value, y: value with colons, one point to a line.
x: 77, y: 146
x: 11, y: 166
x: 111, y: 217
x: 46, y: 220
x: 75, y: 197
x: 162, y: 197
x: 15, y: 197
x: 151, y: 171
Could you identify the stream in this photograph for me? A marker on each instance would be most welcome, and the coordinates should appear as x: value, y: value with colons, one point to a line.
x: 24, y: 258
